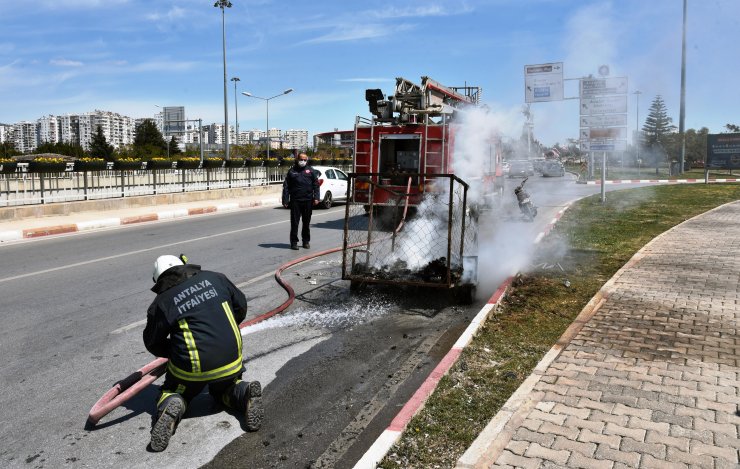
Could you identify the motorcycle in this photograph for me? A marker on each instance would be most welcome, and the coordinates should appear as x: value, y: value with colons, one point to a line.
x: 526, y: 206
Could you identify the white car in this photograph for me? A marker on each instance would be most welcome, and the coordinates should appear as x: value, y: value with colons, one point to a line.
x: 333, y: 185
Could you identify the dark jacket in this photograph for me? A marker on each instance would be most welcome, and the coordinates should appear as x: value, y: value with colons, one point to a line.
x: 200, y: 311
x: 301, y: 184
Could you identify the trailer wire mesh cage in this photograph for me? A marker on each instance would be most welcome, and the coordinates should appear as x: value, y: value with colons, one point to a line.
x: 422, y: 233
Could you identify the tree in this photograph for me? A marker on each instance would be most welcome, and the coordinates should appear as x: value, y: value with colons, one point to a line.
x: 696, y: 145
x: 99, y: 146
x: 61, y: 148
x: 732, y: 128
x: 149, y: 140
x: 7, y: 150
x: 656, y: 129
x: 174, y: 147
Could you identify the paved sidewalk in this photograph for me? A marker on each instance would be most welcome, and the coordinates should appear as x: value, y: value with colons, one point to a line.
x: 35, y: 226
x: 648, y: 375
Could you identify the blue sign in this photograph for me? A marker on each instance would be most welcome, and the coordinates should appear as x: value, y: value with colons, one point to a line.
x: 723, y: 151
x: 542, y: 92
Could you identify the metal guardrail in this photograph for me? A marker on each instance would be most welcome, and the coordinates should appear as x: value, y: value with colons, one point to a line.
x: 25, y: 188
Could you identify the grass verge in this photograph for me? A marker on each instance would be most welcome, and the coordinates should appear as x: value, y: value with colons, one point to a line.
x: 586, y: 248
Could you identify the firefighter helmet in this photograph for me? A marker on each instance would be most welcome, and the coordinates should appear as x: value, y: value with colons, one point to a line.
x: 163, y: 263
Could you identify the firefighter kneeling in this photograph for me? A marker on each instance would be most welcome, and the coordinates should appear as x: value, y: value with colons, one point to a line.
x: 200, y: 311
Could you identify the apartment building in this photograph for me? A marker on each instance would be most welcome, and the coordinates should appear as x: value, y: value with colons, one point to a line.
x: 296, y: 139
x: 48, y: 130
x: 24, y: 136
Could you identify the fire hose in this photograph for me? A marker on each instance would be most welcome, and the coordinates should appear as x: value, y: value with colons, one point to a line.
x: 134, y: 383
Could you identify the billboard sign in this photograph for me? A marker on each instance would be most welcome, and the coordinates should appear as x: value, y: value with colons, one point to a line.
x: 603, y: 86
x: 543, y: 82
x: 723, y: 151
x: 604, y: 105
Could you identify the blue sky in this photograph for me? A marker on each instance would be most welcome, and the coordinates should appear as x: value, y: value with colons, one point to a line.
x: 126, y: 56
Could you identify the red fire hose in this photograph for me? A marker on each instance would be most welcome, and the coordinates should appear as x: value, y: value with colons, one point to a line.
x: 146, y: 375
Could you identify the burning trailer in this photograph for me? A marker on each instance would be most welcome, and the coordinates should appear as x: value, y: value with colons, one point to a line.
x: 437, y: 247
x: 409, y: 220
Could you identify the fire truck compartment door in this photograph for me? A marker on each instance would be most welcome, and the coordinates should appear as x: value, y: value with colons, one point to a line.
x: 400, y: 152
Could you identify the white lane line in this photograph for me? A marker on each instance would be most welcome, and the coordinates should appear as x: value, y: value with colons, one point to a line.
x: 129, y: 327
x: 154, y: 248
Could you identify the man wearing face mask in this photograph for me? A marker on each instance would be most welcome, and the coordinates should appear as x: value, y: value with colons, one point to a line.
x: 300, y: 194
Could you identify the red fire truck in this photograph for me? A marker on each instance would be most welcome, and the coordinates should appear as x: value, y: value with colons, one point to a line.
x: 412, y: 135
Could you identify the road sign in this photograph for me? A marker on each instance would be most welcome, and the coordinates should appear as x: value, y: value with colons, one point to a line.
x: 603, y: 133
x: 603, y: 86
x: 604, y: 120
x: 543, y: 82
x: 603, y: 145
x: 604, y: 105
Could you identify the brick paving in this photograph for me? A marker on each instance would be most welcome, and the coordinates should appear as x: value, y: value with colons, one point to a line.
x: 651, y: 379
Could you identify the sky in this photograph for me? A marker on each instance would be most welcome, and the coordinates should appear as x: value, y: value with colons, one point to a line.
x: 129, y: 56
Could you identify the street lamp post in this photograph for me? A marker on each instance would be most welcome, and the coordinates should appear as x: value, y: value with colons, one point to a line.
x: 682, y: 112
x: 637, y: 94
x: 223, y: 4
x: 267, y: 109
x: 236, y: 110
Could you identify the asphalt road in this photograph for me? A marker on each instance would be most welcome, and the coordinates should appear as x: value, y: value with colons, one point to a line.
x: 336, y: 367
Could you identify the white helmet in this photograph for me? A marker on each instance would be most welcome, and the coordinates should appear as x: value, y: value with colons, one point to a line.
x: 163, y: 263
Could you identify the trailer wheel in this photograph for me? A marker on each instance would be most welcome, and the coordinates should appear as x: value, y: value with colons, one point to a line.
x: 464, y: 294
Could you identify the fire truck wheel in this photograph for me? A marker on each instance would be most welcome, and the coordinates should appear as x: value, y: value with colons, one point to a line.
x: 327, y: 200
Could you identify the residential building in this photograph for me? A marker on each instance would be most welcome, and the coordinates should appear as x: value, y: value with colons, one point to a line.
x: 6, y: 133
x: 48, y: 130
x: 296, y: 139
x: 24, y: 136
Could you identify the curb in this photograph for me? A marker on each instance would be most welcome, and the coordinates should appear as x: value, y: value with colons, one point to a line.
x: 657, y: 181
x: 15, y: 235
x: 379, y: 449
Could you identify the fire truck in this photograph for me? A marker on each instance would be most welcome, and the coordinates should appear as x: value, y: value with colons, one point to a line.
x: 411, y: 136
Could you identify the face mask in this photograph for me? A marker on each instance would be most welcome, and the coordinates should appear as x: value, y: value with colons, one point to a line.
x: 302, y: 163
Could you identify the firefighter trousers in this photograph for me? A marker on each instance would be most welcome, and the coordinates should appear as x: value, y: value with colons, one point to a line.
x: 226, y: 391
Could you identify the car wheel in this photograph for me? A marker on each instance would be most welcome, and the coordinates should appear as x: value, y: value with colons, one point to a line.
x: 327, y: 200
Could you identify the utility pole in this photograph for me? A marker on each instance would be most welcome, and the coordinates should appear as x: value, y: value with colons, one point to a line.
x: 223, y: 4
x: 236, y: 110
x: 682, y: 113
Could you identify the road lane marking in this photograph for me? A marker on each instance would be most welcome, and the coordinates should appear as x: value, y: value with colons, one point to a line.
x: 139, y: 251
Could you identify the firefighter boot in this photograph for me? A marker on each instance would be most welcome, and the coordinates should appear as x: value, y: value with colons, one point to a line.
x: 170, y: 413
x: 247, y: 396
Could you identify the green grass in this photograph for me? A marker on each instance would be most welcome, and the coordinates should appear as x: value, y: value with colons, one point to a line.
x: 539, y: 307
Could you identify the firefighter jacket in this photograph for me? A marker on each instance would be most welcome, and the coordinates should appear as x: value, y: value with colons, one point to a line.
x: 301, y: 184
x: 194, y: 321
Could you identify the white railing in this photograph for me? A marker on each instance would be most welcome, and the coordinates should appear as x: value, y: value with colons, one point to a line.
x: 24, y: 188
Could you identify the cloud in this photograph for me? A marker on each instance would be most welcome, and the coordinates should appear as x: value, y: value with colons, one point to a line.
x: 419, y: 12
x: 66, y: 63
x: 356, y: 32
x: 175, y: 13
